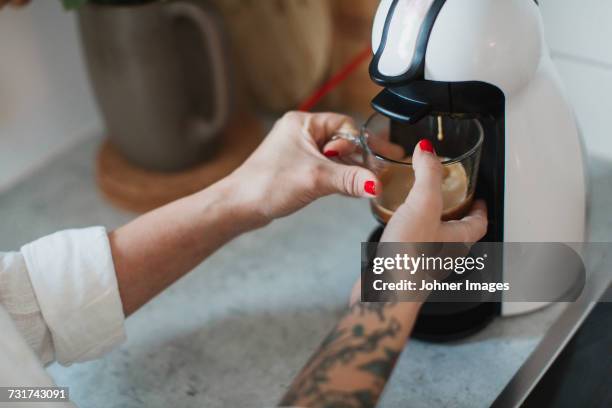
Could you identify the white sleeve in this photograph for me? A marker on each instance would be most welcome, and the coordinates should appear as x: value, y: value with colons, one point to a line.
x: 19, y: 367
x: 69, y: 309
x: 17, y: 297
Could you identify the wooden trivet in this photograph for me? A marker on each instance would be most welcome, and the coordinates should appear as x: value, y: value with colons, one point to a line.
x: 136, y: 189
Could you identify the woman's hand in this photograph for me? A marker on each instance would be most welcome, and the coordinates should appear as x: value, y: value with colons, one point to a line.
x: 287, y: 172
x: 13, y: 3
x: 419, y: 218
x: 293, y: 167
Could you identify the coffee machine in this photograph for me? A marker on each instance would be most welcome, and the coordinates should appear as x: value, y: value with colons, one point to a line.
x: 487, y: 59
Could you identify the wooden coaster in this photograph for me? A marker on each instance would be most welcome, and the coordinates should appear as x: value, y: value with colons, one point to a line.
x: 136, y: 189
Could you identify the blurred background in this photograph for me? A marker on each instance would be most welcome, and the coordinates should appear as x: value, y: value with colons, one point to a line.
x: 47, y: 104
x: 183, y: 108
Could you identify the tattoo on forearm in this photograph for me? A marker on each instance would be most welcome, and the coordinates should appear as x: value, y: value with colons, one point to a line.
x: 357, y: 347
x: 376, y: 308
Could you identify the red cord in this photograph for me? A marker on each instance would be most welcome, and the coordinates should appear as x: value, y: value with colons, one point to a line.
x: 336, y: 80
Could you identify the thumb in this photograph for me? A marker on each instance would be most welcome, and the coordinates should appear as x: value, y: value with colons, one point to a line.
x: 352, y: 181
x: 426, y: 194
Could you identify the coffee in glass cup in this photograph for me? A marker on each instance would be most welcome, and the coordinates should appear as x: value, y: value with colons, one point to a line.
x: 459, y: 151
x: 398, y: 181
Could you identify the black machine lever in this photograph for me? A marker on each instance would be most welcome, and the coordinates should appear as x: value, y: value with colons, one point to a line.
x: 412, y: 102
x: 401, y: 109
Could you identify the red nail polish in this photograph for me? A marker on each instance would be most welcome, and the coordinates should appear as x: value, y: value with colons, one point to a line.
x: 370, y: 187
x: 331, y: 153
x: 426, y: 146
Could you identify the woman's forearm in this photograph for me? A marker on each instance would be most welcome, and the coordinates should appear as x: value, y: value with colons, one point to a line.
x: 354, y: 362
x: 158, y: 248
x: 287, y: 172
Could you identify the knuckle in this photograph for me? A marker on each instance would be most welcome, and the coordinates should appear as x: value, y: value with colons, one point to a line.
x: 350, y: 181
x: 475, y: 230
x: 348, y: 125
x: 475, y: 227
x: 318, y: 176
x: 466, y: 233
x: 287, y: 118
x: 483, y: 225
x: 433, y: 167
x: 292, y: 116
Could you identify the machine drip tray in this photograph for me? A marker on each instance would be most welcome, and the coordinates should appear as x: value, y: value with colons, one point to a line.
x: 443, y: 322
x: 453, y: 326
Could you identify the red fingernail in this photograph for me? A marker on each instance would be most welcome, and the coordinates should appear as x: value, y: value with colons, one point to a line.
x: 370, y: 187
x: 426, y: 146
x: 331, y: 153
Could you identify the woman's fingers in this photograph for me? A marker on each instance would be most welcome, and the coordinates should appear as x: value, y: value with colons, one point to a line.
x: 425, y: 198
x: 418, y: 218
x: 470, y: 229
x: 379, y: 145
x: 339, y: 148
x: 352, y: 181
x: 323, y: 126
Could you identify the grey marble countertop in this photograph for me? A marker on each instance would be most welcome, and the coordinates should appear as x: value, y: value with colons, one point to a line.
x: 235, y: 331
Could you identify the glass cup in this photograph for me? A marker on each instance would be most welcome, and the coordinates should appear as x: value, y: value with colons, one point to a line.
x: 386, y: 147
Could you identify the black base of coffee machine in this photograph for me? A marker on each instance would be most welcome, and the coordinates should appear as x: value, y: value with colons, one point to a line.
x: 443, y: 322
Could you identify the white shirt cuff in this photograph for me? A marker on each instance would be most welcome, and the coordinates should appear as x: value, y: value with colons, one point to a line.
x: 74, y: 279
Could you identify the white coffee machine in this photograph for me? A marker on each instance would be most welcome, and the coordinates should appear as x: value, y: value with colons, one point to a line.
x: 488, y: 59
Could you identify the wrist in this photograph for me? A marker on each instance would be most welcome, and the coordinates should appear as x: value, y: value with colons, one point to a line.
x: 239, y: 210
x: 407, y: 313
